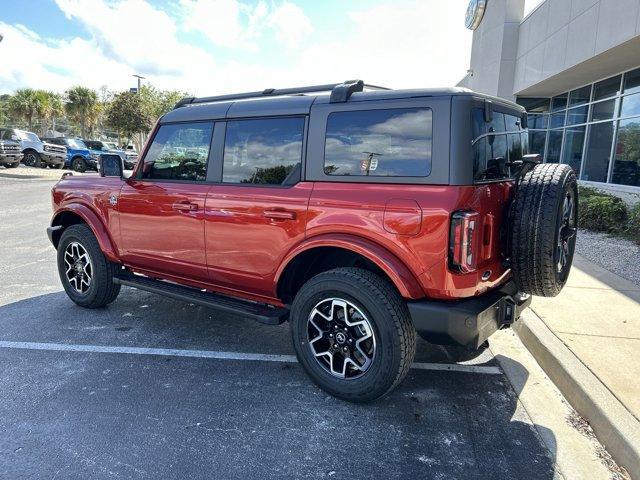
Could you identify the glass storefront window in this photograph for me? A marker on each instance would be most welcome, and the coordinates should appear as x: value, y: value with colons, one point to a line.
x: 573, y: 146
x: 632, y: 81
x: 537, y: 141
x: 595, y: 129
x: 559, y: 102
x: 603, y: 110
x: 598, y: 154
x: 554, y: 146
x: 538, y: 121
x: 577, y: 115
x: 579, y: 96
x: 630, y: 105
x: 626, y: 165
x: 607, y: 88
x: 557, y: 119
x: 534, y: 105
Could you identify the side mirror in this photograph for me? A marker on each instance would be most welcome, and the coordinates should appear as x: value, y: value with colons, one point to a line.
x: 110, y: 166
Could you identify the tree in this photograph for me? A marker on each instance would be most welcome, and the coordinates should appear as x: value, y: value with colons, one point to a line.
x: 50, y: 106
x: 158, y: 102
x: 24, y: 105
x: 83, y: 107
x: 127, y: 115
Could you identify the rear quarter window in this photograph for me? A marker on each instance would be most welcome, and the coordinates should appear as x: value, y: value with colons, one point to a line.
x: 496, y: 144
x: 379, y: 143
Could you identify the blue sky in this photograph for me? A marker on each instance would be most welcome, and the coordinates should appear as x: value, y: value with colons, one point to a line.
x: 220, y: 46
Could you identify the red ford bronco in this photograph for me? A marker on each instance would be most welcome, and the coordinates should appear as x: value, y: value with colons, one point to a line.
x: 361, y: 215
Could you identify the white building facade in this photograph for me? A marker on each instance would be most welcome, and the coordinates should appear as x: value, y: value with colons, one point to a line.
x: 575, y: 66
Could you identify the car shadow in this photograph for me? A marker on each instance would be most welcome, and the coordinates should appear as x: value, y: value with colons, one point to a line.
x: 435, y: 425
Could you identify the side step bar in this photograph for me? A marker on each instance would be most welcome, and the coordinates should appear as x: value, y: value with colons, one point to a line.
x: 257, y: 311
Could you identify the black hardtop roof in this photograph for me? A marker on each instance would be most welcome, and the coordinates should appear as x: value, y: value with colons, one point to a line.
x: 292, y: 101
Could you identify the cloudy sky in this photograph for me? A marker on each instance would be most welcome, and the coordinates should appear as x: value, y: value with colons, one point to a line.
x: 209, y: 47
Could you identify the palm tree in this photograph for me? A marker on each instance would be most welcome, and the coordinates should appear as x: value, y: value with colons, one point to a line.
x: 82, y: 107
x: 25, y: 104
x: 50, y: 106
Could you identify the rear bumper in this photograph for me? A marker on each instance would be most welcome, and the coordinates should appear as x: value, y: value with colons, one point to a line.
x: 468, y: 322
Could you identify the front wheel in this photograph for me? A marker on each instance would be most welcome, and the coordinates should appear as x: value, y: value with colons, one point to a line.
x: 86, y: 274
x: 12, y: 165
x: 352, y: 333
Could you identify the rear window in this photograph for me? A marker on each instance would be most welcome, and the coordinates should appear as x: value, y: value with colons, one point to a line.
x: 497, y: 143
x: 379, y: 143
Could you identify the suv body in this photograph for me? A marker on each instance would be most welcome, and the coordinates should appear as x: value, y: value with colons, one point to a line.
x: 109, y: 147
x: 398, y: 198
x: 36, y: 152
x: 79, y: 156
x: 10, y: 154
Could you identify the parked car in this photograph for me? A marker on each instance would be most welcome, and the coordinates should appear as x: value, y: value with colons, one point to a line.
x: 79, y: 156
x: 361, y: 217
x: 132, y: 155
x: 36, y: 152
x: 110, y: 147
x: 10, y: 154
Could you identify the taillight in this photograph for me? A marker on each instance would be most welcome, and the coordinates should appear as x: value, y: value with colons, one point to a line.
x: 463, y: 250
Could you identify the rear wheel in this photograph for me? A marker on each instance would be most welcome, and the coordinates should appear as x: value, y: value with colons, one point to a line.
x: 543, y: 233
x: 86, y: 274
x: 78, y: 164
x: 352, y: 333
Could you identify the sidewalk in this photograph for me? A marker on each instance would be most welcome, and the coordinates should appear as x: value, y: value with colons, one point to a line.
x: 587, y: 339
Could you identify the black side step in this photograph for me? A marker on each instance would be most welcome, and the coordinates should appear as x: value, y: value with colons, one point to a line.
x: 257, y: 311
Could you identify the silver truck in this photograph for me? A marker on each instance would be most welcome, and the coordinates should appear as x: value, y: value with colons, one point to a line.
x: 36, y: 152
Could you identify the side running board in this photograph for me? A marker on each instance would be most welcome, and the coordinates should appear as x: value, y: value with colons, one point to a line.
x: 260, y: 312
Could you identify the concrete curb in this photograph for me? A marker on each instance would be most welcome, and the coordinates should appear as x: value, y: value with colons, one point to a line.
x: 615, y: 427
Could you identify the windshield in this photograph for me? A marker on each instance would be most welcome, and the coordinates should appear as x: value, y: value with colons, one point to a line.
x: 110, y: 145
x: 27, y: 136
x: 73, y: 143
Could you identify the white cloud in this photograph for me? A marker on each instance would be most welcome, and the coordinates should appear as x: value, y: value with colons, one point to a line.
x: 401, y: 44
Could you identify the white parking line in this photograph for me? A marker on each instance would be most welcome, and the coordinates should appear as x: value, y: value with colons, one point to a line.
x: 264, y: 357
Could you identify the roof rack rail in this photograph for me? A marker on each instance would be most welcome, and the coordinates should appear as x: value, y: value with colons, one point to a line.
x: 340, y: 92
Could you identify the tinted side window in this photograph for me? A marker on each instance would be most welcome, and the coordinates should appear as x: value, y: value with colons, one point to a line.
x: 179, y: 152
x: 496, y: 143
x: 265, y: 151
x: 395, y: 142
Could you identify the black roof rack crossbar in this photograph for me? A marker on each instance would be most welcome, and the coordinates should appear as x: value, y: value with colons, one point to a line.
x: 340, y: 92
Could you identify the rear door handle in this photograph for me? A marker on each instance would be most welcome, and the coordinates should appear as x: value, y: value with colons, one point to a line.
x: 185, y: 206
x: 280, y: 214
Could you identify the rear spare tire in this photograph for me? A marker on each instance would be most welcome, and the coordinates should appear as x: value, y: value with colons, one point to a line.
x: 543, y: 229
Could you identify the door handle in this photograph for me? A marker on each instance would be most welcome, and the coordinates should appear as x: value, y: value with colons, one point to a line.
x: 280, y: 214
x: 185, y: 206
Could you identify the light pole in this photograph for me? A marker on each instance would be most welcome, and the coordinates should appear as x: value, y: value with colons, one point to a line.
x: 139, y: 77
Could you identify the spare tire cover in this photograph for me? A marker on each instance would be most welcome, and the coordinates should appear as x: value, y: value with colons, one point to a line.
x: 542, y: 233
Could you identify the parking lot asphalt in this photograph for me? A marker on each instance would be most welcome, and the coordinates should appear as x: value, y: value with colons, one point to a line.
x: 99, y: 394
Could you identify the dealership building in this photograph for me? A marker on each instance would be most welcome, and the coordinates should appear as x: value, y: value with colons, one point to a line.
x: 575, y: 66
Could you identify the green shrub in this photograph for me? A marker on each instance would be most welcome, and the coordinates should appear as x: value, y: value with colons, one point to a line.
x: 585, y: 192
x: 602, y: 213
x: 633, y: 223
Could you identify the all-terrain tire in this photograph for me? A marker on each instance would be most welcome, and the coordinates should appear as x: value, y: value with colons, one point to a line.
x: 32, y: 159
x: 102, y: 289
x: 388, y: 315
x: 538, y: 223
x: 78, y: 164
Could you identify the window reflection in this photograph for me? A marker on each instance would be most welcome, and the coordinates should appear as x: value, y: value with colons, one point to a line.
x: 264, y: 151
x: 573, y: 146
x: 394, y: 142
x: 598, y: 152
x: 626, y: 167
x: 179, y: 152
